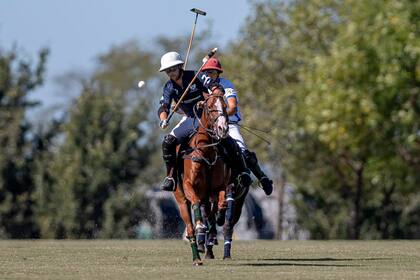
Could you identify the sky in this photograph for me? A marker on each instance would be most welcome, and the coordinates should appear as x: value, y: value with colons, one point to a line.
x: 76, y: 31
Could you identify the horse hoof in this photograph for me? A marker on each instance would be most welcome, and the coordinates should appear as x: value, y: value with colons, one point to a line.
x: 197, y: 263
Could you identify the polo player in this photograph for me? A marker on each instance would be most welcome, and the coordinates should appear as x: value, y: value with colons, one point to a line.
x: 179, y: 79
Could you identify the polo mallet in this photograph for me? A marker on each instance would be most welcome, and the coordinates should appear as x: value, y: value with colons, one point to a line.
x: 197, y: 12
x: 210, y: 54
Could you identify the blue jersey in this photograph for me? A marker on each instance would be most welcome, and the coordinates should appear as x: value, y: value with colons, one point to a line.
x: 172, y: 91
x: 230, y: 92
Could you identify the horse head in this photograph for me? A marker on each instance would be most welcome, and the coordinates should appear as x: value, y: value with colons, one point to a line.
x: 214, y: 117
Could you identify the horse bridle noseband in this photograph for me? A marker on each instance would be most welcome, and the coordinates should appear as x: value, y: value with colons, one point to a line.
x: 210, y: 132
x: 207, y: 111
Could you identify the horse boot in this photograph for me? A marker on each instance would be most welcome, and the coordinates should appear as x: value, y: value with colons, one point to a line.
x: 237, y: 163
x: 252, y: 163
x: 169, y: 156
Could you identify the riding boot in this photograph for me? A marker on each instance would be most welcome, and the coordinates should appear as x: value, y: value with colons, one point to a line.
x: 252, y: 163
x: 237, y: 163
x: 169, y: 156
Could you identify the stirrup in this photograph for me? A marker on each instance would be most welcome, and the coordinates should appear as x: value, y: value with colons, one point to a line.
x: 266, y: 184
x: 168, y: 184
x: 244, y: 180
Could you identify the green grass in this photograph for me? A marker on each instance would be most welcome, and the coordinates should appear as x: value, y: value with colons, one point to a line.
x: 171, y: 259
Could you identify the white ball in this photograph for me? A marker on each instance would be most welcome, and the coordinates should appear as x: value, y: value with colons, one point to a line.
x: 141, y: 84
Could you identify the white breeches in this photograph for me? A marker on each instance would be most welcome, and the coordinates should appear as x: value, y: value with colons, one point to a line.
x: 235, y: 133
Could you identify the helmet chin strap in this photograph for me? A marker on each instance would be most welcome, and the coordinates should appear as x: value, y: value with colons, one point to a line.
x: 181, y: 71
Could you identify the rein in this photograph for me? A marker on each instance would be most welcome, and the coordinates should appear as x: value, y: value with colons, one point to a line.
x: 207, y: 111
x: 209, y: 132
x: 252, y: 131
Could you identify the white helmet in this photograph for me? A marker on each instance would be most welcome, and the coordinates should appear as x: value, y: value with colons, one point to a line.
x: 170, y: 59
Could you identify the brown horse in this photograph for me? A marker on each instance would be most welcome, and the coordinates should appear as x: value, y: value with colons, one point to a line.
x: 205, y: 176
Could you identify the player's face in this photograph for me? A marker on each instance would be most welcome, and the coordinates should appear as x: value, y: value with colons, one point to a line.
x: 173, y: 72
x: 214, y: 74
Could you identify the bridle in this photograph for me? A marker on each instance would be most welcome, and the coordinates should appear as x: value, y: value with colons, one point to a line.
x: 209, y: 113
x: 209, y: 129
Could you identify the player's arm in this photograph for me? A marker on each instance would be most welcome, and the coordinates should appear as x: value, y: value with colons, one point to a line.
x: 231, y: 106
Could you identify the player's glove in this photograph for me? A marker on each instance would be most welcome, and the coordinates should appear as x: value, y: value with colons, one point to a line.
x: 163, y: 123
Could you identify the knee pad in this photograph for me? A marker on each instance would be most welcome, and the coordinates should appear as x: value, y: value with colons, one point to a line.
x: 169, y: 146
x: 169, y: 141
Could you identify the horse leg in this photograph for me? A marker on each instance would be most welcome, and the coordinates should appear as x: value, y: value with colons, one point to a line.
x: 213, y: 224
x: 193, y: 180
x: 201, y: 234
x: 184, y: 209
x: 221, y: 209
x: 236, y: 214
x: 239, y: 203
x: 211, y: 232
x: 228, y: 226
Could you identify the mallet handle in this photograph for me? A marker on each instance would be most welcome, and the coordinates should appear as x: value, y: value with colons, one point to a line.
x: 189, y: 45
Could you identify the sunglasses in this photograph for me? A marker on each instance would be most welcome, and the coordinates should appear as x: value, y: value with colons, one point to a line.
x: 211, y: 72
x: 172, y: 69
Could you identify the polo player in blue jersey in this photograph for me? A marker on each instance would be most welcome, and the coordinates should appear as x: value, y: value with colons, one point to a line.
x: 212, y: 69
x: 179, y: 79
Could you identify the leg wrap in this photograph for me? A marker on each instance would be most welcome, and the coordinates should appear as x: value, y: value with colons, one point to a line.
x: 228, y: 226
x: 195, y: 253
x: 200, y: 229
x: 226, y: 249
x: 197, y: 212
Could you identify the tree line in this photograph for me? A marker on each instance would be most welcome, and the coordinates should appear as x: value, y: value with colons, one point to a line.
x: 335, y: 82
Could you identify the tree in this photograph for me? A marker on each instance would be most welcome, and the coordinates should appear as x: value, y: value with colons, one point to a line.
x: 365, y: 95
x: 17, y: 79
x: 92, y: 191
x: 337, y: 85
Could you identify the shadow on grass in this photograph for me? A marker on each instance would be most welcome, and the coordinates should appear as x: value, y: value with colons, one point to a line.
x: 298, y: 262
x: 326, y: 259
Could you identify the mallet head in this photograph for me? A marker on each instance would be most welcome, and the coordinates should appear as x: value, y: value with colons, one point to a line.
x: 198, y: 11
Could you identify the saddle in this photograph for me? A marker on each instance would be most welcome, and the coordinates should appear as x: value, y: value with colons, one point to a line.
x: 186, y: 151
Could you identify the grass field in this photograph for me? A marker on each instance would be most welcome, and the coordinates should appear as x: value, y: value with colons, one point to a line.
x: 171, y: 259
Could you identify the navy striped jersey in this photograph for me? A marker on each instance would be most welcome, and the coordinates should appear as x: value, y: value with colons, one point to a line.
x: 172, y: 91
